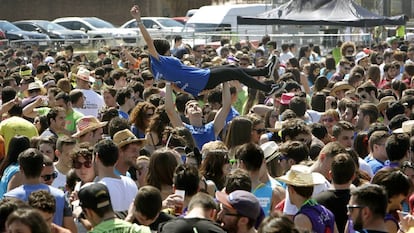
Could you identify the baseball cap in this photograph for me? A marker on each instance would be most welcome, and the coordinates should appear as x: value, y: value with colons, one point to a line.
x: 245, y: 203
x: 94, y: 196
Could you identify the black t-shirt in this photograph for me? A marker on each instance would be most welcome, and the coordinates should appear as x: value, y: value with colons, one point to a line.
x: 336, y: 201
x: 190, y: 225
x: 162, y: 217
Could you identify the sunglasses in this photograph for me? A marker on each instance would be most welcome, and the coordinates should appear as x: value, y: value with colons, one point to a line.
x: 233, y: 161
x: 78, y: 165
x: 48, y: 177
x: 330, y: 120
x: 349, y: 51
x: 260, y: 131
x: 351, y: 207
x: 282, y: 157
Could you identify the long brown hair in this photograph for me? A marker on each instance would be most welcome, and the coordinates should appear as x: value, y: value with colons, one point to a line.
x: 236, y: 134
x: 161, y: 168
x: 138, y: 115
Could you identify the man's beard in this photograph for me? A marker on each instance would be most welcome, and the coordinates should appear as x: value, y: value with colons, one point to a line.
x: 358, y: 224
x: 230, y: 228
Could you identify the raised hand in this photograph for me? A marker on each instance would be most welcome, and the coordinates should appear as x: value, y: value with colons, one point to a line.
x: 135, y: 12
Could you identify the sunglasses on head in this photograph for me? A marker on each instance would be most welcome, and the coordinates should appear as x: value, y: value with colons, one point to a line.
x: 48, y: 177
x: 78, y: 165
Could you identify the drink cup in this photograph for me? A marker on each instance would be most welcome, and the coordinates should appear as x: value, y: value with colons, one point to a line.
x: 179, y: 203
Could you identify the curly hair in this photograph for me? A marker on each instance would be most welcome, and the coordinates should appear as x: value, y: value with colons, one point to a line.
x: 345, y: 46
x: 159, y: 121
x: 138, y: 115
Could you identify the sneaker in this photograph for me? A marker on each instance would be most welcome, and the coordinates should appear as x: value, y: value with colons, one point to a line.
x: 277, y: 88
x: 271, y: 65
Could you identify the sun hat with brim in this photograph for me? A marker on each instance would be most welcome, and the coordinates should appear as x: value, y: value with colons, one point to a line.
x: 406, y: 127
x: 245, y: 203
x: 302, y: 176
x: 87, y: 124
x: 85, y: 75
x: 341, y: 85
x: 384, y: 101
x: 125, y: 137
x: 360, y: 56
x: 270, y: 150
x: 35, y: 86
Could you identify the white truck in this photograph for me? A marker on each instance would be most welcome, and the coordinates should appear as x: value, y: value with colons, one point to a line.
x: 209, y: 23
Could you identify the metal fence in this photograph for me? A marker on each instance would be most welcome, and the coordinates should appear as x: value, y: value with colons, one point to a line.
x: 325, y: 41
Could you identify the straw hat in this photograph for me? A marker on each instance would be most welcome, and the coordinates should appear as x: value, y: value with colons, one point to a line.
x: 87, y: 124
x: 302, y: 176
x: 85, y: 75
x: 406, y: 127
x: 125, y: 137
x: 341, y: 85
x: 269, y: 148
x: 35, y: 86
x: 383, y: 104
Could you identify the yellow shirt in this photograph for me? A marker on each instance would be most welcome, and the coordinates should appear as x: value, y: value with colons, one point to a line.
x: 14, y: 126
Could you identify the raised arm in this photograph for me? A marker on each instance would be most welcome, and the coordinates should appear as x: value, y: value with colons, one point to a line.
x: 29, y: 110
x: 220, y: 119
x: 136, y: 13
x: 169, y: 107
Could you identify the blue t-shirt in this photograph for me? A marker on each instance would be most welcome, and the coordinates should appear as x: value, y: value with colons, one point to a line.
x: 23, y: 192
x: 375, y: 164
x: 188, y: 78
x: 263, y: 193
x: 232, y: 114
x: 202, y: 134
x: 123, y: 114
x: 7, y: 175
x: 138, y: 133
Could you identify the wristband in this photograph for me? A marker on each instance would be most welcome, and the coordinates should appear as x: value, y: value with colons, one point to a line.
x: 139, y: 22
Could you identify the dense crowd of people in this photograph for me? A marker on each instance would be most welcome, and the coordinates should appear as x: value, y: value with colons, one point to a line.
x: 238, y: 138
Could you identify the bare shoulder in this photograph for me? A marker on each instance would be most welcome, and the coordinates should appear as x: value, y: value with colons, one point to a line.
x: 59, y: 229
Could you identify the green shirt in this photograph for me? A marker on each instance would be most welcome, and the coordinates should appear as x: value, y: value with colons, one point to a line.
x: 70, y: 119
x: 119, y: 226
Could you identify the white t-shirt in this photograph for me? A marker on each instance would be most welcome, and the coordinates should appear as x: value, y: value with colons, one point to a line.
x: 291, y: 209
x: 284, y: 57
x: 60, y: 181
x: 122, y: 192
x: 93, y: 103
x: 364, y: 166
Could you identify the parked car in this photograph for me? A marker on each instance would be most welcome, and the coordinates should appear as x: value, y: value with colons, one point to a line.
x: 56, y: 32
x: 181, y: 19
x: 98, y: 30
x: 13, y: 33
x: 158, y: 27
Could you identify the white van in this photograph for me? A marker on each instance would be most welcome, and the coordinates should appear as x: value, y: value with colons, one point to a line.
x: 217, y: 19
